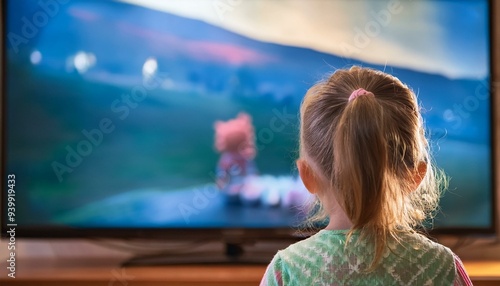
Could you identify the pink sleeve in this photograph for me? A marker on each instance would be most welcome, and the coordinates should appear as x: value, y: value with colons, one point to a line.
x: 462, y: 278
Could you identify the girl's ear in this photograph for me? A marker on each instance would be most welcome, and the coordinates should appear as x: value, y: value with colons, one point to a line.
x: 306, y: 174
x: 419, y: 174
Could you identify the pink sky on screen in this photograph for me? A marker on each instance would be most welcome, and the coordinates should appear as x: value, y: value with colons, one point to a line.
x: 225, y: 53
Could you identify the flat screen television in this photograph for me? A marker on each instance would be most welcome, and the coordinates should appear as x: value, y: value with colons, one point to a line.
x: 115, y: 114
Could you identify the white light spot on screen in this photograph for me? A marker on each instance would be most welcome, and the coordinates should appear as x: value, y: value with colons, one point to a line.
x: 149, y: 68
x: 36, y: 57
x: 83, y: 61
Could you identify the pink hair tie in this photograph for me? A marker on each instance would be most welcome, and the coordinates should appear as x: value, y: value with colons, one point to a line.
x: 359, y: 92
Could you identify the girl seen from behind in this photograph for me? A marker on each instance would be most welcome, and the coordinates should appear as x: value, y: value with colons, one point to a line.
x: 364, y: 155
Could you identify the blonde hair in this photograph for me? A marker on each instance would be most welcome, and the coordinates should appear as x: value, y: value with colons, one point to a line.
x: 367, y: 151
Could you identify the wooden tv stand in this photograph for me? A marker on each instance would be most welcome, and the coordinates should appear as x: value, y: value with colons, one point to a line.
x: 107, y: 272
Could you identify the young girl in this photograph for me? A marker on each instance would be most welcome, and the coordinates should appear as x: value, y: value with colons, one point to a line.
x: 363, y: 154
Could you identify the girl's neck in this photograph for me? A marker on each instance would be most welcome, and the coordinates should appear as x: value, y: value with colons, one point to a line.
x: 339, y: 223
x: 338, y: 218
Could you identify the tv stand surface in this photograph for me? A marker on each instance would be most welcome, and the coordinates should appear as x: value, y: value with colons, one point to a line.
x: 108, y: 272
x: 234, y: 254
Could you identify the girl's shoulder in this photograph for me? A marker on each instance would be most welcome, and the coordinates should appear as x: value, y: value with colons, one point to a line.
x: 325, y: 244
x: 303, y: 262
x: 421, y: 243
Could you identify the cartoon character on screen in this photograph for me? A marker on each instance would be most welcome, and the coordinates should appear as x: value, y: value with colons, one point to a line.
x: 235, y: 141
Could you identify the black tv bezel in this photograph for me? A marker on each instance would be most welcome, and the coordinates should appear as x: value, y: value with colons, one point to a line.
x: 230, y: 235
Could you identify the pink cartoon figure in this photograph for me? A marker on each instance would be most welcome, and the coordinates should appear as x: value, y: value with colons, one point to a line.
x: 235, y: 141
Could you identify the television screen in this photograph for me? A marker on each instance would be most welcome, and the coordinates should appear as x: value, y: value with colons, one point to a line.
x: 184, y: 114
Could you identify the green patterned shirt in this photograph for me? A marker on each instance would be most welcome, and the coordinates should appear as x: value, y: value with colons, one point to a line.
x: 323, y: 259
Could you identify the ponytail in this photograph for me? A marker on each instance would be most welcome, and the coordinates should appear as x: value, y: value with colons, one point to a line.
x: 360, y: 164
x: 360, y: 160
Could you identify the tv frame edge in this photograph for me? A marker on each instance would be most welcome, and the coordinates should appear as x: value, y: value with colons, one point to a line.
x: 244, y: 235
